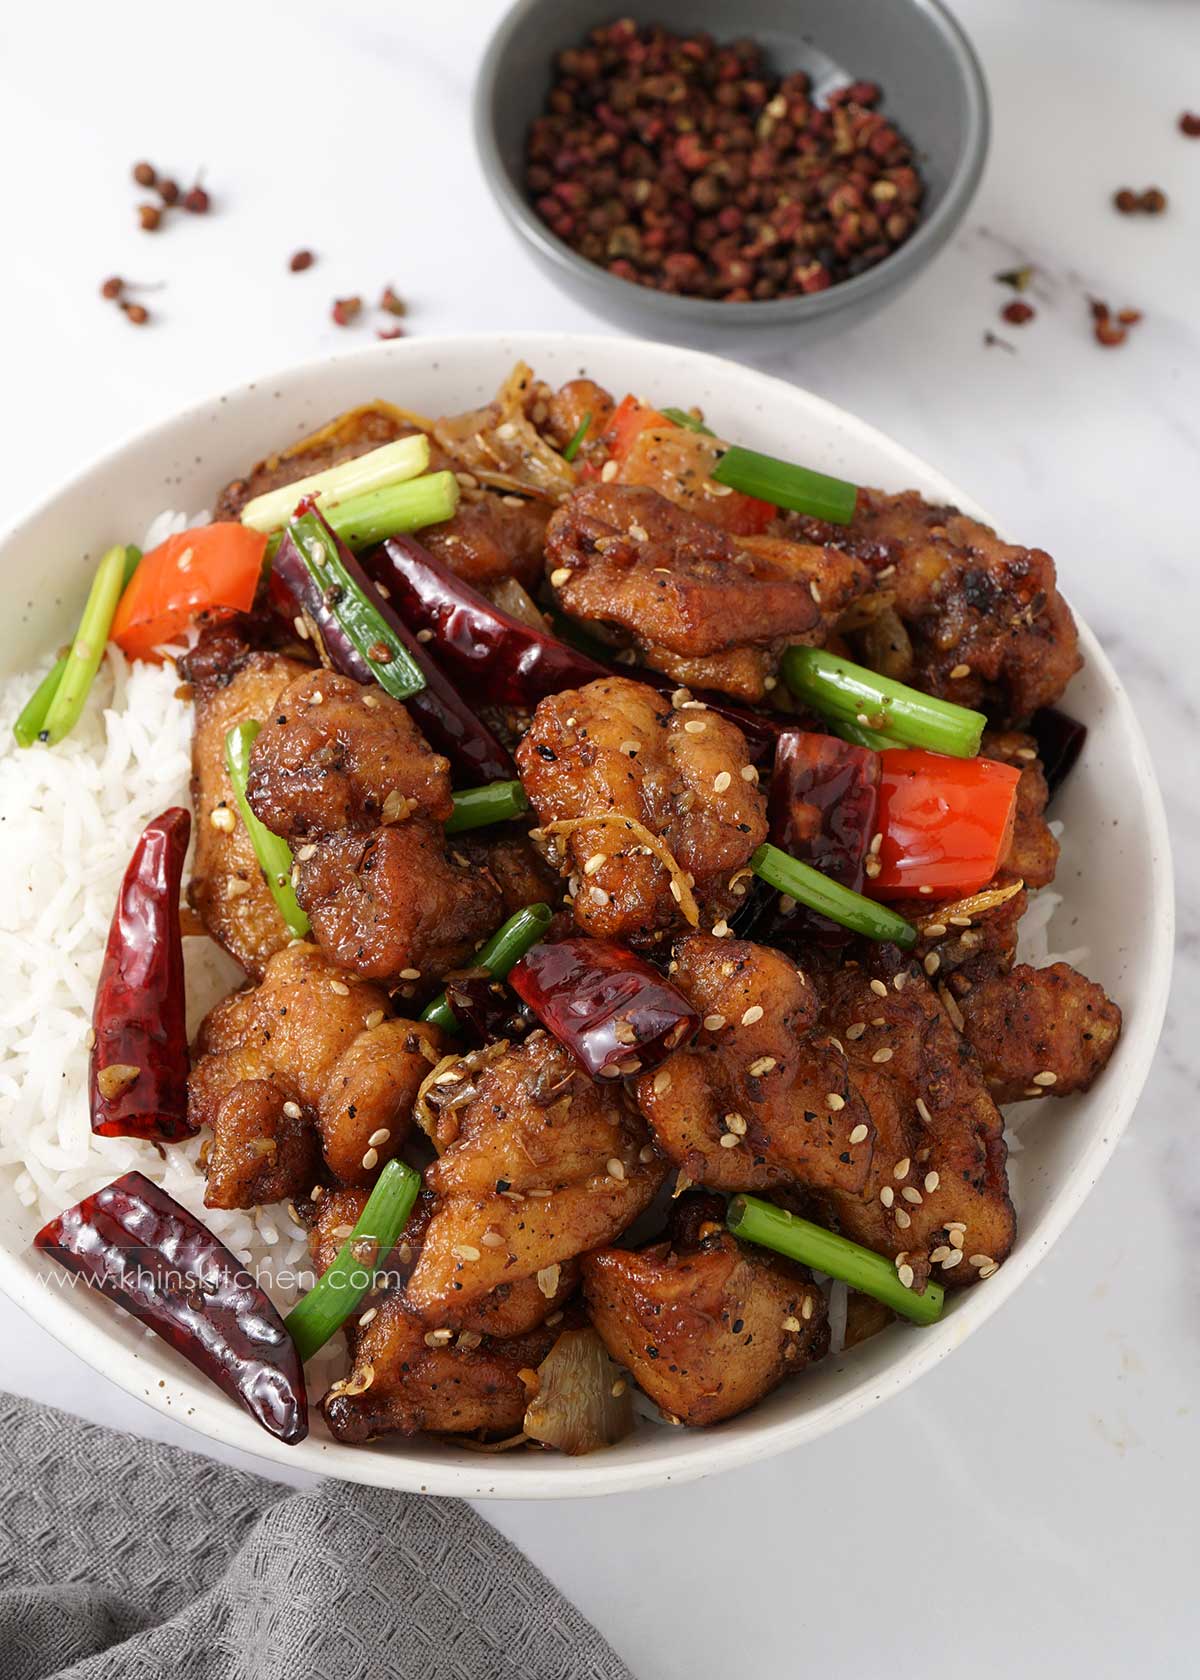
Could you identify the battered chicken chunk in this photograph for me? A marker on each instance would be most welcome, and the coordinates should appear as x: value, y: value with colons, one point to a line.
x: 967, y: 599
x: 620, y: 781
x: 565, y: 410
x: 1040, y: 1031
x: 539, y: 1164
x: 937, y: 1191
x: 272, y: 1063
x: 701, y: 605
x: 343, y: 773
x: 761, y: 1098
x: 706, y: 1325
x: 231, y: 684
x: 1033, y: 854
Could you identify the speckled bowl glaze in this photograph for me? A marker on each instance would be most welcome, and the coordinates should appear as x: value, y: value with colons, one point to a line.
x: 933, y: 88
x: 1117, y: 896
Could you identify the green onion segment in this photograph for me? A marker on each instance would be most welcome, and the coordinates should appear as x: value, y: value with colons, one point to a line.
x: 820, y: 892
x: 506, y: 946
x: 576, y: 443
x: 787, y: 485
x: 756, y: 1221
x: 87, y: 650
x: 398, y: 674
x: 494, y: 802
x: 681, y: 417
x: 363, y: 521
x: 849, y: 694
x: 340, y: 1288
x: 274, y: 855
x: 31, y: 721
x: 392, y: 464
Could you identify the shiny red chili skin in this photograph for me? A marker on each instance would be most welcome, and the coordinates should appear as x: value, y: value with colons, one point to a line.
x: 138, y: 1246
x: 1060, y: 740
x: 946, y: 823
x: 507, y: 662
x: 822, y: 808
x: 580, y: 988
x: 139, y: 1018
x: 444, y: 718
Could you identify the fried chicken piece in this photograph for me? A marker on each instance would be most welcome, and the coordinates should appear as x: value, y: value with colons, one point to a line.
x: 262, y: 1059
x: 539, y: 1164
x: 938, y: 1173
x: 1040, y: 1031
x: 515, y: 865
x: 491, y: 537
x: 1033, y: 854
x: 231, y: 684
x: 616, y: 750
x: 957, y: 956
x: 706, y: 1325
x: 966, y: 599
x: 700, y: 605
x: 364, y: 1112
x: 404, y: 1378
x: 343, y: 773
x: 760, y: 1074
x: 567, y: 408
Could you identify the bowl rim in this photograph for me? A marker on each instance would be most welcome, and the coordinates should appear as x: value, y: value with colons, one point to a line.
x: 896, y: 269
x: 204, y: 1408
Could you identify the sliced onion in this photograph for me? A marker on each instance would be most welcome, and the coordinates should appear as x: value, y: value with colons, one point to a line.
x: 575, y: 1408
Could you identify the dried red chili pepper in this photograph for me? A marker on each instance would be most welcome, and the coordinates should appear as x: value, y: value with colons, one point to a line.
x: 822, y: 810
x: 1060, y: 740
x: 612, y: 1011
x: 137, y: 1081
x: 139, y: 1247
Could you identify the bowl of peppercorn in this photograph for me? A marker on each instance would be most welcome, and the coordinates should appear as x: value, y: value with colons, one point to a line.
x: 690, y: 185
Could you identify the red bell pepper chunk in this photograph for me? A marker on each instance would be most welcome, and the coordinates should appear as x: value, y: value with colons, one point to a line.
x: 138, y: 1074
x: 138, y: 1246
x: 947, y: 823
x: 213, y: 569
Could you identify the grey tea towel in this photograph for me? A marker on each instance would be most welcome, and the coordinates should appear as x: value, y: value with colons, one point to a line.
x: 122, y: 1559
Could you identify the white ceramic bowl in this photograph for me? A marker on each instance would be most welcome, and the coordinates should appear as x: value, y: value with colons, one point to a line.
x: 1117, y: 896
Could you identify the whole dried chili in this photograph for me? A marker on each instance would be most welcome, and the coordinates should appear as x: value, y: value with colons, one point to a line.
x: 137, y: 1082
x: 612, y: 1011
x: 822, y: 810
x: 138, y: 1246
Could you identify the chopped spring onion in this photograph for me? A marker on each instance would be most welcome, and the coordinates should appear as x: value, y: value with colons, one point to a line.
x: 681, y: 417
x: 576, y: 443
x: 32, y: 718
x: 337, y: 1292
x: 787, y: 485
x: 858, y: 736
x: 506, y: 946
x: 87, y: 650
x: 820, y: 892
x: 756, y: 1221
x: 851, y: 694
x: 394, y: 668
x: 493, y: 803
x: 363, y: 521
x: 274, y: 855
x: 392, y: 464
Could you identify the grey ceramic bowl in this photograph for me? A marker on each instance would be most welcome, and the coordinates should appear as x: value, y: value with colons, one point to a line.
x: 933, y: 88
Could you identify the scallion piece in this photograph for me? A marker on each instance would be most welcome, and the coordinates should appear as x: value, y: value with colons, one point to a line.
x: 274, y: 855
x: 756, y: 1221
x: 576, y: 443
x: 787, y: 485
x: 851, y: 694
x: 506, y: 946
x: 32, y: 718
x: 478, y: 807
x: 820, y: 892
x: 391, y: 464
x: 337, y: 1292
x: 365, y: 521
x: 681, y: 417
x: 87, y: 650
x: 393, y: 666
x: 859, y: 736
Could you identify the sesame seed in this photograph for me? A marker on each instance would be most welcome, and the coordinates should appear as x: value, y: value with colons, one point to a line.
x: 223, y: 818
x: 859, y: 1134
x: 371, y: 1312
x: 713, y: 1023
x: 855, y: 1030
x: 306, y: 852
x: 235, y: 887
x: 932, y: 1180
x: 926, y: 890
x: 594, y: 862
x: 879, y: 1020
x: 986, y: 1271
x: 956, y: 1239
x: 695, y: 726
x: 340, y: 987
x: 1033, y: 1091
x: 560, y: 576
x: 935, y: 930
x: 906, y: 1275
x: 764, y: 1064
x: 887, y: 1195
x: 547, y: 1280
x: 902, y: 1219
x: 960, y: 671
x: 814, y: 591
x: 721, y: 781
x: 959, y: 921
x: 979, y: 1260
x: 638, y: 533
x: 729, y: 1140
x: 736, y: 1123
x: 646, y: 1154
x: 911, y: 1195
x: 955, y: 1225
x: 806, y: 1307
x: 1027, y: 753
x: 542, y: 1192
x: 900, y: 1170
x: 615, y: 1168
x: 898, y: 980
x: 753, y: 1014
x: 465, y: 1251
x: 410, y: 974
x: 292, y: 1110
x: 662, y: 1082
x: 939, y: 1254
x: 437, y: 1338
x: 884, y: 1055
x: 932, y: 963
x: 721, y: 929
x: 609, y: 471
x: 878, y: 987
x: 618, y: 1388
x: 792, y: 1325
x: 492, y: 1239
x: 370, y: 1159
x: 676, y: 891
x: 749, y: 773
x: 1045, y: 1078
x: 379, y: 1137
x: 952, y: 1260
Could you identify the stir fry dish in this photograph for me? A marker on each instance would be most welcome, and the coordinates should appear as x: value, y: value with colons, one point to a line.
x: 624, y: 837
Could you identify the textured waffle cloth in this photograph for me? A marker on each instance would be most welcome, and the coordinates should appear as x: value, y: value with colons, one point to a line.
x: 122, y: 1559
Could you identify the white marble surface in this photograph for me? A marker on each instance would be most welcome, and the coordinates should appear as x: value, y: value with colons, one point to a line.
x: 1032, y: 1505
